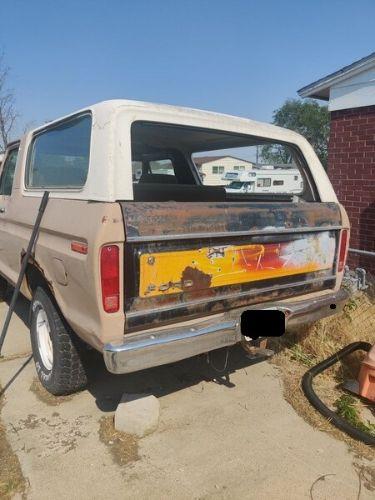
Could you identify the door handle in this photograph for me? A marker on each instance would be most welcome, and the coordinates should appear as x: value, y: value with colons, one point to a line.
x: 2, y: 210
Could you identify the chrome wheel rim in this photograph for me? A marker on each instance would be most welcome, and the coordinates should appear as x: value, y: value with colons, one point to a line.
x: 43, y: 333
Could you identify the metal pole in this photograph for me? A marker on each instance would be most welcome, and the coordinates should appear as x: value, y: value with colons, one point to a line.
x: 25, y: 261
x: 362, y: 252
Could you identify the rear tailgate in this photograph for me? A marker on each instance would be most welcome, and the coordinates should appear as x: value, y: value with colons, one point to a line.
x: 184, y: 260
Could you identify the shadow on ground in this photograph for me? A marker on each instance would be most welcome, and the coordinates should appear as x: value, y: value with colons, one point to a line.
x: 21, y: 310
x: 107, y: 388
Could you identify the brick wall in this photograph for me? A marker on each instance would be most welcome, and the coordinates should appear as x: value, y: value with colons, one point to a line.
x: 351, y: 168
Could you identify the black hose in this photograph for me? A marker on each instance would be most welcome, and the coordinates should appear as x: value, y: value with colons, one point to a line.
x: 335, y: 419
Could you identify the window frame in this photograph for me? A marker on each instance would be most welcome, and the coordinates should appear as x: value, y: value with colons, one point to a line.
x: 309, y: 188
x: 263, y: 179
x: 220, y: 169
x: 12, y: 147
x: 47, y: 128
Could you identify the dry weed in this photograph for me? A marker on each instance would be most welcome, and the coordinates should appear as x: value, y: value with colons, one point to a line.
x: 298, y: 350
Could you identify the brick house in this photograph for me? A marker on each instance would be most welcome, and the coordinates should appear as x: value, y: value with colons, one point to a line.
x: 350, y: 93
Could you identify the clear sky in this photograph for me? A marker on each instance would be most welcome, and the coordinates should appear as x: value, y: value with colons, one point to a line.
x: 234, y: 56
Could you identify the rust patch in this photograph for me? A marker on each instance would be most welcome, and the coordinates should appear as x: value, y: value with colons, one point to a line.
x: 149, y: 219
x: 198, y: 279
x: 32, y: 262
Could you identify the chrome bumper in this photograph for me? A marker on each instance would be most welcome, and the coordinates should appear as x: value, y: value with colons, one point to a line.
x: 156, y: 347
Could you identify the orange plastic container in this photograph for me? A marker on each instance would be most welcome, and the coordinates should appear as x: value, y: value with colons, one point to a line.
x: 367, y: 376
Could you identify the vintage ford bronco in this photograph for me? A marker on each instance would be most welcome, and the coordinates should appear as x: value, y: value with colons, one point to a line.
x: 142, y: 253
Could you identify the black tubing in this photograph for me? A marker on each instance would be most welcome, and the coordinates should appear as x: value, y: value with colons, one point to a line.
x: 335, y: 419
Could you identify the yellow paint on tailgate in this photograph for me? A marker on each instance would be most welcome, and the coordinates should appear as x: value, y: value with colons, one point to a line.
x: 172, y: 272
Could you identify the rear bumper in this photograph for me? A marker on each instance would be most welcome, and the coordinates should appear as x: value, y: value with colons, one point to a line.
x: 160, y: 346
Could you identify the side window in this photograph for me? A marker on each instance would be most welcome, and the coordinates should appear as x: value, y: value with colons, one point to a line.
x: 163, y: 167
x: 6, y: 182
x: 59, y: 156
x: 217, y: 170
x: 264, y: 182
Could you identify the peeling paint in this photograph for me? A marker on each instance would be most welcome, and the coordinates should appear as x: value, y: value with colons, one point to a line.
x: 152, y: 219
x: 173, y: 272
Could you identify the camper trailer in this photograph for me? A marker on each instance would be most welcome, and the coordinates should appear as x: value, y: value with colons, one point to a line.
x: 265, y: 180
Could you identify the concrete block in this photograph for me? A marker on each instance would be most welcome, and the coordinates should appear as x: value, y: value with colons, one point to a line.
x: 137, y: 414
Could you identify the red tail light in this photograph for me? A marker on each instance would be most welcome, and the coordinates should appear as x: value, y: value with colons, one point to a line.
x: 110, y: 277
x: 343, y: 250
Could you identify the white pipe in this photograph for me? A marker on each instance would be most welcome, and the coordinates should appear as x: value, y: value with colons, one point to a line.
x: 362, y: 252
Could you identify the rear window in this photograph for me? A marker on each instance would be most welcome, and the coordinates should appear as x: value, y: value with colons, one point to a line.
x: 164, y: 154
x: 59, y: 156
x: 266, y: 167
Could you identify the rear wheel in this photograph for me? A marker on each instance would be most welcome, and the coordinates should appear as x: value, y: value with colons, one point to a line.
x: 57, y: 350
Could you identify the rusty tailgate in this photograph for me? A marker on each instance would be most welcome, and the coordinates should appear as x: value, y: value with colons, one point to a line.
x: 184, y: 260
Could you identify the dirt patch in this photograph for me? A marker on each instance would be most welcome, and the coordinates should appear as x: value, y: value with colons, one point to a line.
x: 47, y: 398
x: 366, y: 475
x: 55, y: 434
x: 11, y: 478
x: 124, y: 447
x: 12, y: 357
x: 299, y: 350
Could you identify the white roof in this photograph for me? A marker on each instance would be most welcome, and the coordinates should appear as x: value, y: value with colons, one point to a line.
x: 350, y: 87
x: 107, y: 108
x: 110, y: 170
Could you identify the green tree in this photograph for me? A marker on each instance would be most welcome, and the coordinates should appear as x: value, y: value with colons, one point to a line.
x: 309, y: 119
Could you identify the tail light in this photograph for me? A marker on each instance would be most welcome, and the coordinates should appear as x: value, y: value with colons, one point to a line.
x: 343, y: 249
x: 110, y: 277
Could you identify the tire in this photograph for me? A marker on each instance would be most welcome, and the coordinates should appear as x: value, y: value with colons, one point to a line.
x: 3, y: 288
x: 57, y: 350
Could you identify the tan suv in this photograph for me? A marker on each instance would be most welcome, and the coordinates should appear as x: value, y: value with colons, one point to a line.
x: 144, y: 254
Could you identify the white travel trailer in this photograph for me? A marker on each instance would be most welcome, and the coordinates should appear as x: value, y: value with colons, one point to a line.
x: 265, y: 180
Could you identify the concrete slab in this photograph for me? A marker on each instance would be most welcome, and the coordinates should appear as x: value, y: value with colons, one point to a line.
x: 223, y: 436
x: 17, y: 341
x: 226, y: 435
